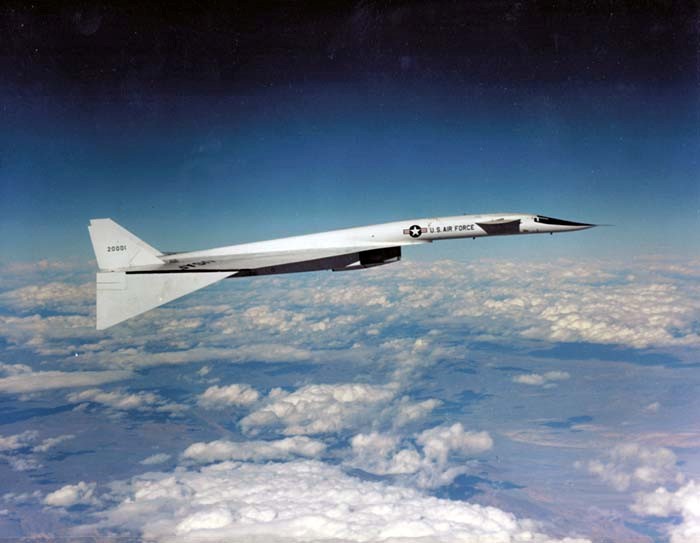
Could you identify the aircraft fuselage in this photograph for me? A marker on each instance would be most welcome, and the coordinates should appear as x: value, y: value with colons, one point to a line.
x: 407, y: 232
x: 135, y: 277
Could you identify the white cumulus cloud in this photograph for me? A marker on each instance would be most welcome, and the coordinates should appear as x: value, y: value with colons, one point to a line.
x: 629, y: 464
x: 439, y: 442
x: 685, y: 502
x: 158, y: 458
x: 430, y: 463
x: 254, y: 450
x: 378, y: 453
x: 408, y: 411
x: 121, y: 400
x: 315, y: 409
x: 541, y: 379
x: 66, y: 496
x: 220, y: 397
x: 302, y: 500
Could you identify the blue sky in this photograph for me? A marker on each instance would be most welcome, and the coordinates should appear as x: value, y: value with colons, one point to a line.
x: 192, y: 172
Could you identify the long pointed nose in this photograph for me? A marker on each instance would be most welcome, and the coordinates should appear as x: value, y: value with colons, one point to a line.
x: 560, y: 225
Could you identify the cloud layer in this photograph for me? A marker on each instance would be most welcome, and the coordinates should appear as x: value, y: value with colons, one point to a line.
x: 311, y: 317
x: 303, y: 500
x: 21, y: 379
x: 391, y: 375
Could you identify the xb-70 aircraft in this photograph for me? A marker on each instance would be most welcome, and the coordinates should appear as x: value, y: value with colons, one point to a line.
x: 134, y: 277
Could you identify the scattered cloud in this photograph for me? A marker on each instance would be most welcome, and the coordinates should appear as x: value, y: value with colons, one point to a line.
x: 158, y: 458
x: 255, y: 450
x: 317, y: 409
x: 17, y: 441
x: 69, y: 495
x: 22, y: 498
x: 13, y: 369
x: 544, y: 379
x: 407, y: 411
x: 115, y: 353
x: 22, y: 379
x: 51, y: 442
x: 66, y: 297
x: 126, y: 401
x: 47, y: 334
x: 378, y: 453
x: 629, y: 464
x: 16, y: 275
x: 442, y: 442
x: 684, y: 502
x: 428, y: 462
x: 221, y: 397
x: 439, y: 442
x: 22, y: 463
x: 653, y: 407
x: 332, y: 408
x: 23, y: 451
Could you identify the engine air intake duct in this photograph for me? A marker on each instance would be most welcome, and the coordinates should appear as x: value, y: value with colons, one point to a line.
x: 376, y: 257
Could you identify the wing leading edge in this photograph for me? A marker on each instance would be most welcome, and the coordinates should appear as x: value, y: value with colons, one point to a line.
x: 135, y: 277
x: 266, y: 260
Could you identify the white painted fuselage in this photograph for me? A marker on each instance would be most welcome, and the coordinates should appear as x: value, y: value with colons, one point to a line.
x: 398, y: 232
x: 135, y: 277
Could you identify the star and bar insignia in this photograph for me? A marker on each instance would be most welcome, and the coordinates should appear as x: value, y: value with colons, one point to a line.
x: 415, y: 231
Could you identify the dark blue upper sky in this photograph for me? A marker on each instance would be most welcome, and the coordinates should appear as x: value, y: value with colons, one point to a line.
x: 207, y: 128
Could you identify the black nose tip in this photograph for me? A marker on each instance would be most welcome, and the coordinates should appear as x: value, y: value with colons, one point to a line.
x: 561, y: 222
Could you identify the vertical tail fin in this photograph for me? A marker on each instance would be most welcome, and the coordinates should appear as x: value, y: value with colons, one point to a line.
x: 123, y: 292
x: 118, y: 249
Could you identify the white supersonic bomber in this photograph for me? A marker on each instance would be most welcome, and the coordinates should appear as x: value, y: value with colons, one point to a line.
x: 135, y: 277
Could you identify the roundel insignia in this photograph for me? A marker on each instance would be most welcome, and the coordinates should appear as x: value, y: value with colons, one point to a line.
x: 415, y: 231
